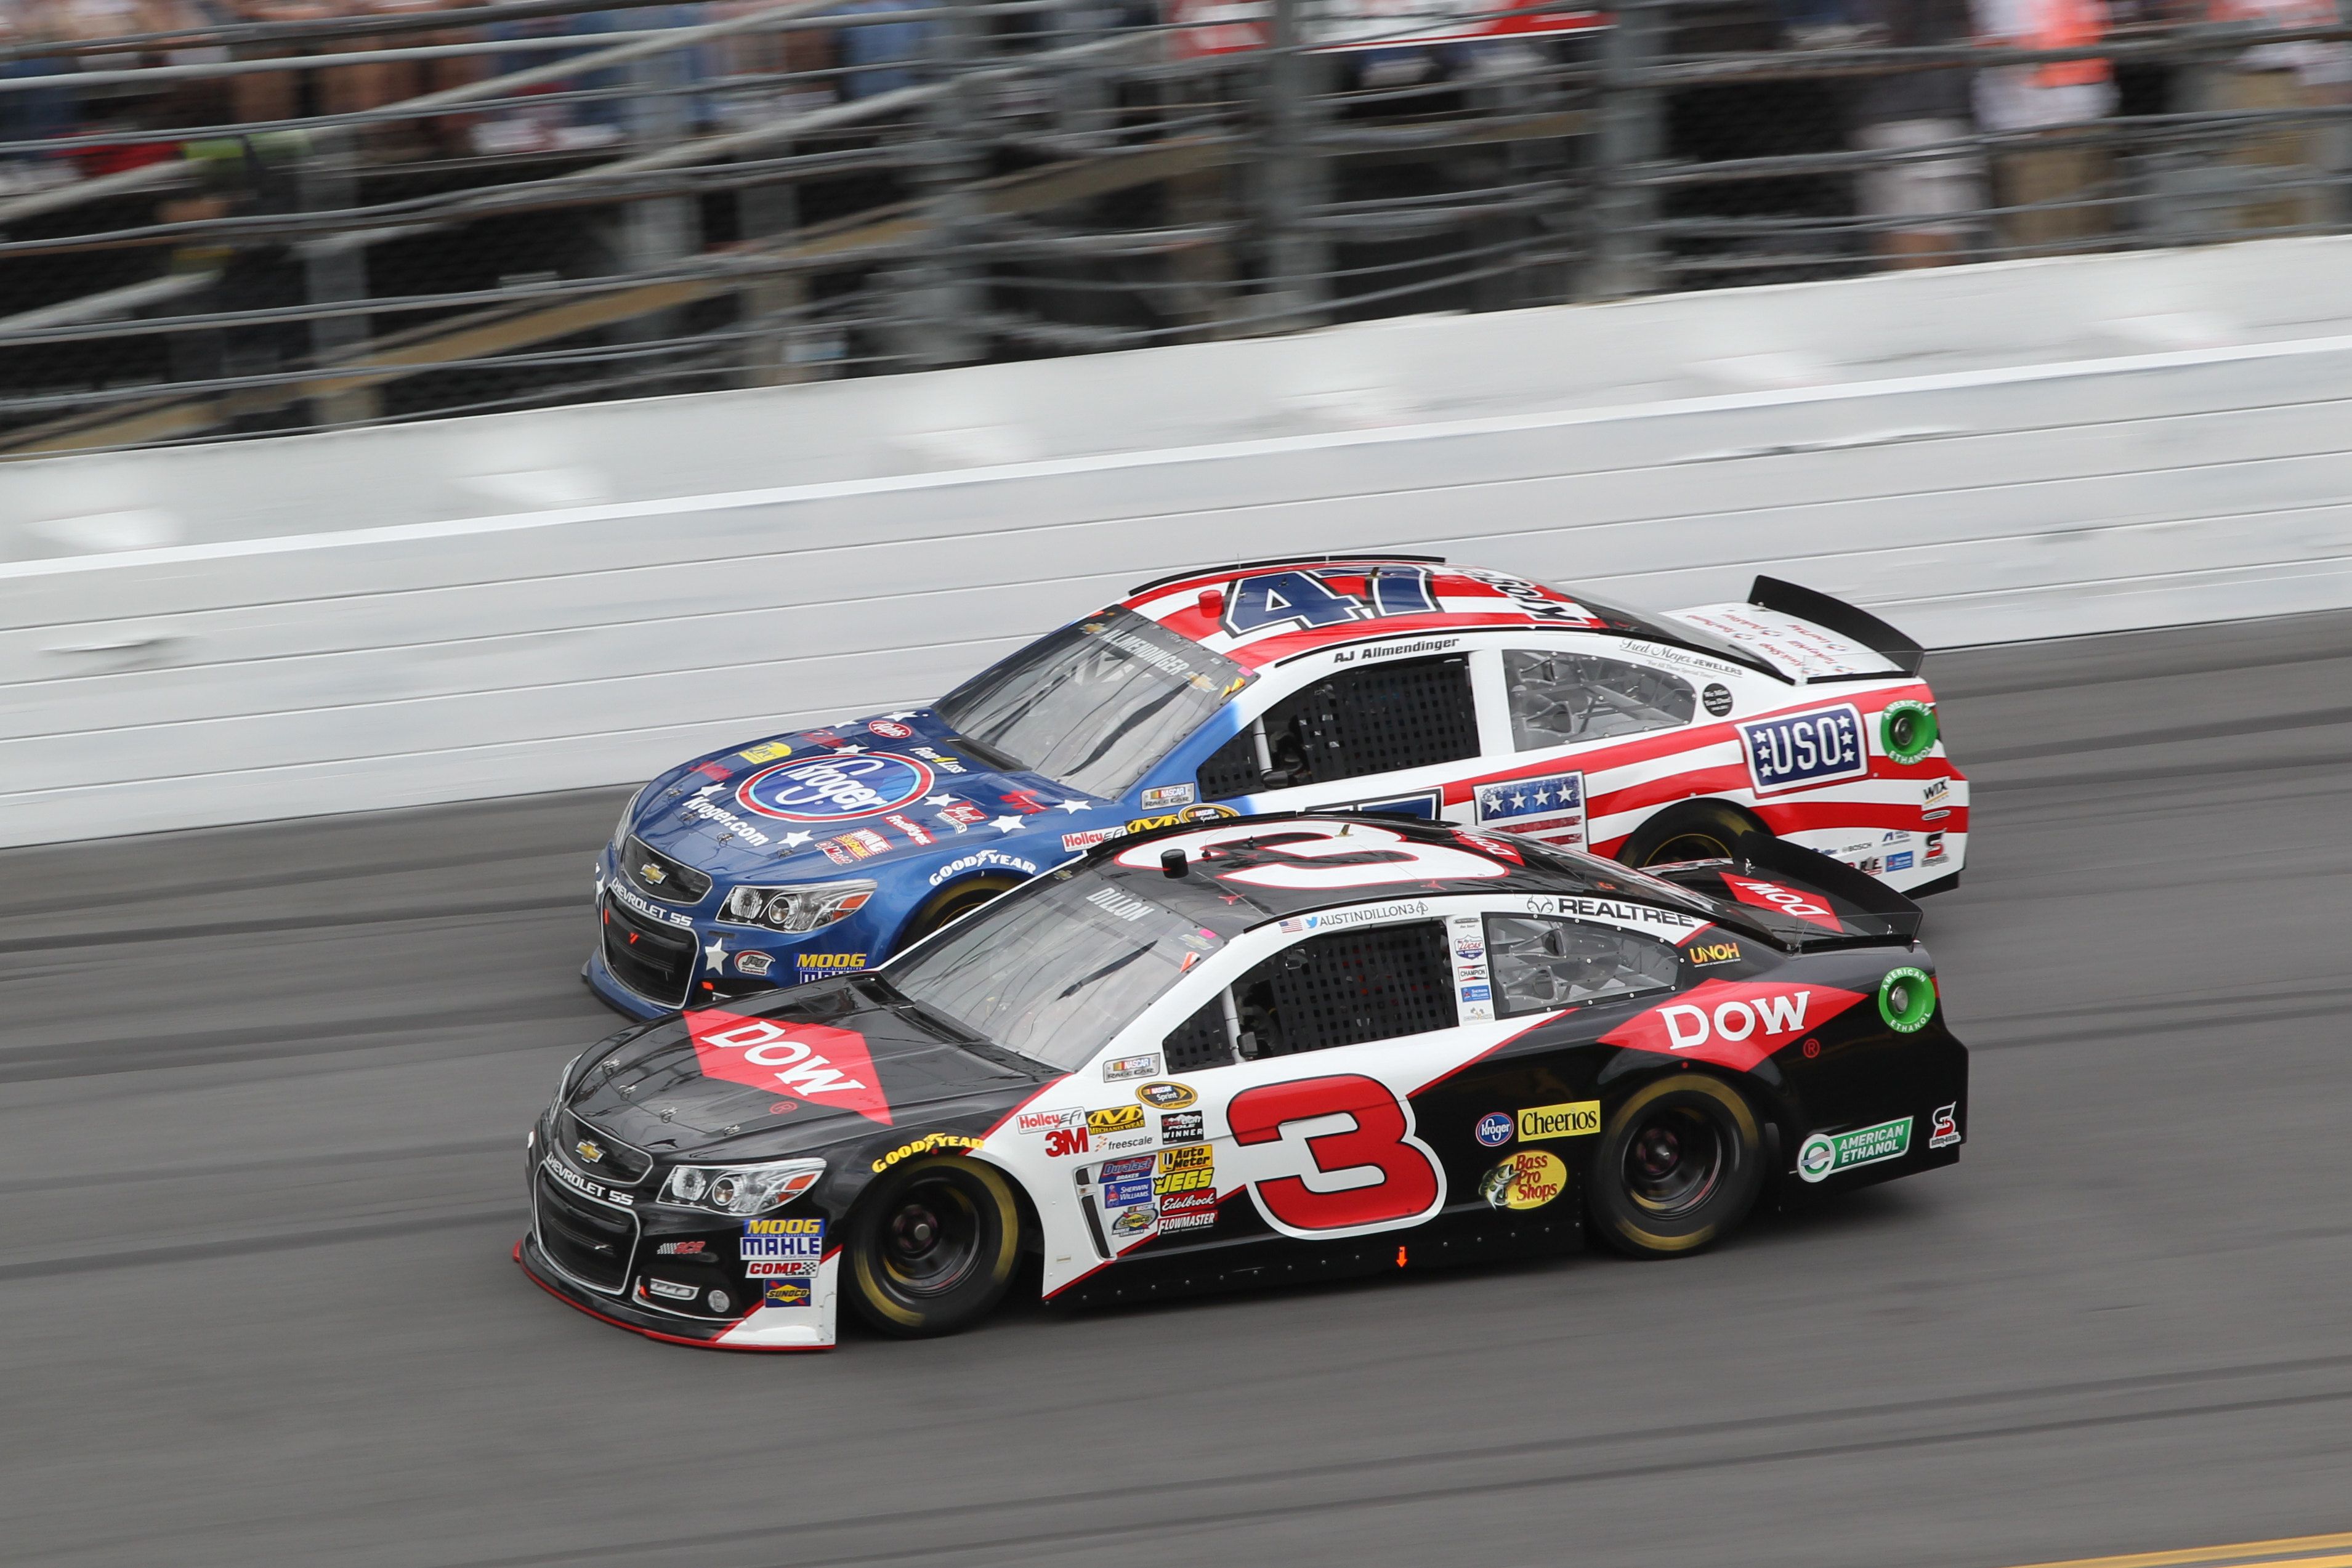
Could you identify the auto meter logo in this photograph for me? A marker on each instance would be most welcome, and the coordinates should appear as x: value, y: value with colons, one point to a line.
x: 835, y: 788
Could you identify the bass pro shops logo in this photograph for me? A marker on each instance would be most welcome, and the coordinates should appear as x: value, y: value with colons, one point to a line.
x: 835, y: 788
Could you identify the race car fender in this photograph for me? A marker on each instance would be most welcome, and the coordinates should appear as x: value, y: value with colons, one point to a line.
x: 783, y: 1324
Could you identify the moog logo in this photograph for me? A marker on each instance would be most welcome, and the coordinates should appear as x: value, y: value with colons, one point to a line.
x: 1800, y: 749
x: 835, y: 788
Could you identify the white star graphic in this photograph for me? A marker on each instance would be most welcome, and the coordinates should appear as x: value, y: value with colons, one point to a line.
x: 1542, y: 797
x: 708, y: 790
x: 1072, y: 804
x: 714, y: 957
x: 1006, y: 825
x: 1518, y: 798
x: 908, y: 713
x: 845, y: 749
x: 794, y: 840
x: 941, y: 799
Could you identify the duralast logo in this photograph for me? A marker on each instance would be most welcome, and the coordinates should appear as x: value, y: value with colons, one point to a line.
x: 1714, y: 952
x: 924, y: 1145
x: 1573, y: 1119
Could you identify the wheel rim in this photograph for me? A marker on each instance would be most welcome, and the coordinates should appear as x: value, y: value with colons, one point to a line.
x: 1675, y: 1161
x: 1688, y: 846
x: 931, y: 1239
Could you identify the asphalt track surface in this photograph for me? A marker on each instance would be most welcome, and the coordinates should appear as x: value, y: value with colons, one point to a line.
x: 262, y: 1099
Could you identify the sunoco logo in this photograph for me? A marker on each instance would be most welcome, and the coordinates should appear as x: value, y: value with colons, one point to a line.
x: 835, y: 788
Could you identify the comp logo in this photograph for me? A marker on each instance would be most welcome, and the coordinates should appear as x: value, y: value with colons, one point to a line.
x: 834, y: 789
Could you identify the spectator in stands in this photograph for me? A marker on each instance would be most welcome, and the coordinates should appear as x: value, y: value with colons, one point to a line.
x: 34, y: 114
x: 1935, y: 195
x: 2306, y: 74
x: 2048, y: 177
x: 880, y: 56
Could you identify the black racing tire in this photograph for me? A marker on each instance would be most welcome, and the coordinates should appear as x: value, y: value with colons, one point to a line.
x: 951, y: 904
x: 932, y: 1247
x: 1694, y: 830
x: 1678, y: 1167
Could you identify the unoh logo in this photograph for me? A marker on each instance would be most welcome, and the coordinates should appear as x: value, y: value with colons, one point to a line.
x: 835, y: 788
x: 1813, y: 748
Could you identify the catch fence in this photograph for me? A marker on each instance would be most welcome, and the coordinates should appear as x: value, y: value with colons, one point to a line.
x: 223, y: 227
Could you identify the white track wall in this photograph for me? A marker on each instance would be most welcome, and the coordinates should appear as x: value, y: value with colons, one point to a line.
x: 581, y: 596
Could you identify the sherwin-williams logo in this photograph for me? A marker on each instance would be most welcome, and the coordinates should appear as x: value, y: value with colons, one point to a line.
x: 1799, y: 749
x: 1573, y: 1119
x: 835, y: 788
x: 1824, y: 1154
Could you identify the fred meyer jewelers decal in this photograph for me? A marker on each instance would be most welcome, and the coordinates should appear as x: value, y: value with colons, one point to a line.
x: 1824, y: 1154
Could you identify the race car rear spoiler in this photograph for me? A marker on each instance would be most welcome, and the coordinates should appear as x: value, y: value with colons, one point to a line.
x: 1866, y: 908
x: 1837, y: 616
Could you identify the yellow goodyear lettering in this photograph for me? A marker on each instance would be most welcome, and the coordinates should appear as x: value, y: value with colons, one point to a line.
x: 924, y: 1145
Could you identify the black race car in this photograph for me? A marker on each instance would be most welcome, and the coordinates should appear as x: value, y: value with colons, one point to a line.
x: 1277, y: 1048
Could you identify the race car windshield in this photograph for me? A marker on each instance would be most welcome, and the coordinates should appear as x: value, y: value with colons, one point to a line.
x: 1054, y: 970
x: 1094, y: 705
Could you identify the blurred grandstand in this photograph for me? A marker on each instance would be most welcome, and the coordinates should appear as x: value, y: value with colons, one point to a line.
x: 229, y: 218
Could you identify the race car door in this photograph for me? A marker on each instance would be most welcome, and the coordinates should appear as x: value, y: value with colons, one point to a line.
x: 1570, y: 702
x: 1383, y: 734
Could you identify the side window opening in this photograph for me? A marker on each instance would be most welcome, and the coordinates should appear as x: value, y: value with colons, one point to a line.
x: 1346, y: 988
x: 1561, y: 699
x: 1376, y: 718
x: 1540, y: 964
x: 1203, y: 1040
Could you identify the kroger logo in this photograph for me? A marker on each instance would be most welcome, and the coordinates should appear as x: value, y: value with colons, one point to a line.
x: 1494, y: 1128
x: 832, y: 789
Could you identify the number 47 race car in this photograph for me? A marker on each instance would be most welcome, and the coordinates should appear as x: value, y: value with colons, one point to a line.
x: 1286, y: 1048
x: 1397, y: 685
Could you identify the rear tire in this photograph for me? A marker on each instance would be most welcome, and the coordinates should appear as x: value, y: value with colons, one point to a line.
x: 1696, y: 830
x: 1677, y: 1168
x: 932, y: 1247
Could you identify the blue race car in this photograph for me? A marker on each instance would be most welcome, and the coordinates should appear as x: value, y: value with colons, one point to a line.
x: 1389, y: 684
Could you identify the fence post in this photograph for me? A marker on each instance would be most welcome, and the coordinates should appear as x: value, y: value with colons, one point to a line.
x: 941, y: 292
x: 1297, y: 259
x: 1631, y: 123
x: 327, y: 179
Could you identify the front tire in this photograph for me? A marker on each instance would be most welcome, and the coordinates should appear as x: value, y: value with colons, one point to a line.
x: 1677, y: 1168
x: 932, y: 1247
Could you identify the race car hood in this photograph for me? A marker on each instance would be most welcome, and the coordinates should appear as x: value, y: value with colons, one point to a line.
x: 815, y: 804
x: 790, y: 1072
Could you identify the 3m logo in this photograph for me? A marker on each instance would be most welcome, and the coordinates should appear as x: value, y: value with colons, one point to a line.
x: 828, y: 1066
x: 1061, y: 1141
x: 1735, y: 1024
x: 1808, y: 907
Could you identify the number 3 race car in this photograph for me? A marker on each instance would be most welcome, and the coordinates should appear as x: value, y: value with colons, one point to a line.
x: 1395, y: 685
x: 1279, y: 1050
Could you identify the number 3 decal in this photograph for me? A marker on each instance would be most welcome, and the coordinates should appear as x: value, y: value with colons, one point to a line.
x: 1410, y: 1187
x: 1401, y: 859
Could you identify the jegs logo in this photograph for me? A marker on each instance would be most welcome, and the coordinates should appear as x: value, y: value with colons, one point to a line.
x: 835, y: 788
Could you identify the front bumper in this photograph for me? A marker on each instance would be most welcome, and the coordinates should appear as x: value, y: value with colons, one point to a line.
x: 605, y: 1251
x: 651, y: 961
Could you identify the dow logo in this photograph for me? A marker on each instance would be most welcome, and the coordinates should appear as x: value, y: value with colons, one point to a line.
x: 835, y: 788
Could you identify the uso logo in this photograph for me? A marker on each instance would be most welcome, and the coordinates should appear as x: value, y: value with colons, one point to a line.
x: 832, y: 789
x: 1801, y: 749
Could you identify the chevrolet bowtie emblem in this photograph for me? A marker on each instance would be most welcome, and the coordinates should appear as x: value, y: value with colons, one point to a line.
x: 652, y: 873
x: 588, y: 1151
